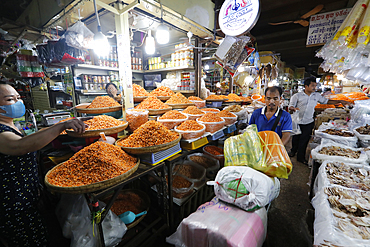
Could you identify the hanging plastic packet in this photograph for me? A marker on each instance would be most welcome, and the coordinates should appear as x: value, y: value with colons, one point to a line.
x: 79, y: 36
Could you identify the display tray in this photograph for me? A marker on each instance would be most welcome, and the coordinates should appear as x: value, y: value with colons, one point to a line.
x: 93, y: 133
x: 163, y: 98
x: 140, y: 98
x: 216, y: 100
x: 180, y: 106
x: 90, y: 187
x: 158, y: 111
x: 144, y: 206
x: 151, y: 149
x: 84, y: 109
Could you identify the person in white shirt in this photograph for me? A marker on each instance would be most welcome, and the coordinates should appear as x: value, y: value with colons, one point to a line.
x: 305, y: 103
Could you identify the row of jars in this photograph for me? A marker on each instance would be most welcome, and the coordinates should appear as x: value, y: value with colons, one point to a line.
x: 172, y: 64
x: 91, y: 86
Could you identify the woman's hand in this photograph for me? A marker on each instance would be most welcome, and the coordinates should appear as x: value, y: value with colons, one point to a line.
x: 77, y: 124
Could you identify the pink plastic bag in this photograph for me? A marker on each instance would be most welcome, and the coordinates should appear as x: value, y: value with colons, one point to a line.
x: 216, y: 223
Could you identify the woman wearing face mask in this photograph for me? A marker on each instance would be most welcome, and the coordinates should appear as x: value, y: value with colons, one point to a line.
x: 20, y: 221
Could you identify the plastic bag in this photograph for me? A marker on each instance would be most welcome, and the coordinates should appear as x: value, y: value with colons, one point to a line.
x: 350, y: 141
x: 277, y: 161
x: 244, y: 149
x: 316, y: 155
x: 219, y: 224
x: 245, y: 187
x: 79, y: 36
x: 113, y: 229
x: 335, y: 226
x: 296, y: 130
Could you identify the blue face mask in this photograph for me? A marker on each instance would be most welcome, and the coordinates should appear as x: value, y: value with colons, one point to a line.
x: 15, y: 110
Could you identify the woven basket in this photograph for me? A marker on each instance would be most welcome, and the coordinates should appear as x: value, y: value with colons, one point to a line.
x: 93, y: 133
x: 145, y: 204
x: 140, y: 98
x: 151, y: 149
x: 163, y: 98
x: 90, y: 187
x: 153, y: 112
x: 84, y: 109
x: 180, y: 106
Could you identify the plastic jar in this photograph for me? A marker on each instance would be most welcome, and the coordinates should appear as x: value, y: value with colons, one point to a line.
x: 136, y: 118
x: 191, y: 134
x: 212, y: 127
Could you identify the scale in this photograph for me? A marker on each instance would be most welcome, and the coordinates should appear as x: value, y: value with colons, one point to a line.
x: 155, y: 158
x: 49, y: 119
x: 230, y: 128
x: 217, y: 135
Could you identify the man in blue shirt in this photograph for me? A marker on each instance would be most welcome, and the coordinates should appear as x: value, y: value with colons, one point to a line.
x: 271, y: 117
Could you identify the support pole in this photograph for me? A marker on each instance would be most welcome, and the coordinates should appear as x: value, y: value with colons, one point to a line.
x: 198, y: 67
x: 124, y: 58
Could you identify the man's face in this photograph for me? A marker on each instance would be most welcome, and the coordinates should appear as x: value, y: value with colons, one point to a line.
x: 311, y: 88
x: 272, y: 99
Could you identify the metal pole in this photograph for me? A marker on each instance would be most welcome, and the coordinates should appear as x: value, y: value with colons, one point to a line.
x: 124, y: 58
x: 198, y: 67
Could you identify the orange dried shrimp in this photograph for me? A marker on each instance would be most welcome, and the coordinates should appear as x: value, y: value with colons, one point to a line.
x: 152, y: 102
x: 162, y: 91
x: 225, y: 113
x: 210, y: 117
x: 178, y: 99
x: 324, y: 106
x: 102, y: 122
x: 61, y: 121
x: 211, y: 110
x: 173, y: 115
x: 193, y: 110
x: 139, y: 91
x: 95, y: 163
x: 213, y: 97
x: 151, y: 133
x: 190, y: 125
x: 233, y: 97
x: 103, y: 101
x: 195, y: 98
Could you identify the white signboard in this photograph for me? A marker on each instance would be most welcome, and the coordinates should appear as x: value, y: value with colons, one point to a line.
x: 238, y: 16
x: 323, y: 26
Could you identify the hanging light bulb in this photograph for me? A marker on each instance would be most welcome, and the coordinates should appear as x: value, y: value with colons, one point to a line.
x: 162, y: 35
x: 206, y: 67
x: 149, y: 44
x: 101, y: 44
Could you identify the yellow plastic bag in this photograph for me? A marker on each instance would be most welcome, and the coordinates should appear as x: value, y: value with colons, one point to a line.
x: 244, y: 149
x: 278, y: 163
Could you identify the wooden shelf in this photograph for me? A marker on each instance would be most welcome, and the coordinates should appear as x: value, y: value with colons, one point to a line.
x: 170, y: 69
x: 89, y: 66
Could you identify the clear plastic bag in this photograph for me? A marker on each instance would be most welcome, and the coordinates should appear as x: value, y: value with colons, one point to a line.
x: 210, y: 164
x: 230, y: 120
x: 191, y: 134
x: 350, y: 141
x: 136, y: 118
x: 245, y: 187
x: 199, y: 103
x: 212, y: 127
x: 193, y: 117
x: 171, y: 123
x: 296, y: 130
x: 216, y: 223
x: 195, y: 173
x: 244, y: 149
x: 79, y: 36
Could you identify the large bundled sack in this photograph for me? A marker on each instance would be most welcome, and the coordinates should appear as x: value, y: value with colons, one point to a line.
x: 245, y: 187
x: 244, y: 149
x: 216, y: 223
x: 338, y: 152
x: 277, y: 161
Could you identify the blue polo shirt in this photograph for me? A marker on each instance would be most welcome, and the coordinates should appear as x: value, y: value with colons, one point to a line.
x: 259, y: 118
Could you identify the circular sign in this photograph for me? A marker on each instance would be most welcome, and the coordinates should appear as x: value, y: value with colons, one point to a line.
x: 238, y: 16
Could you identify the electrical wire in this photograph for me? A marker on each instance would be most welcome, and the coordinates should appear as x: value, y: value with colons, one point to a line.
x: 97, y: 16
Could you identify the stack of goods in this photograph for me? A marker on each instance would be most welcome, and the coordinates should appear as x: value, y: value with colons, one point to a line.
x: 102, y: 102
x: 95, y: 163
x: 172, y: 118
x: 239, y: 111
x: 139, y: 91
x: 230, y: 118
x: 332, y: 114
x: 136, y: 118
x: 339, y: 152
x: 178, y: 99
x: 152, y: 102
x: 342, y: 200
x: 197, y: 101
x: 262, y: 151
x: 149, y: 134
x: 363, y: 133
x: 212, y: 122
x: 162, y: 91
x: 210, y: 164
x: 324, y: 106
x: 336, y: 134
x: 190, y: 129
x: 193, y: 112
x: 233, y: 97
x: 28, y: 66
